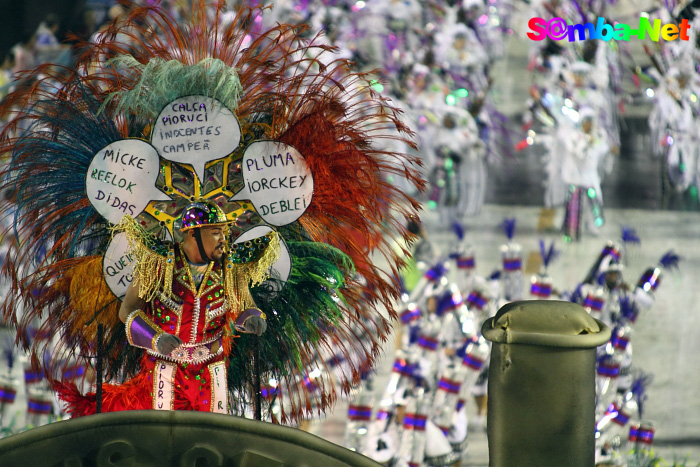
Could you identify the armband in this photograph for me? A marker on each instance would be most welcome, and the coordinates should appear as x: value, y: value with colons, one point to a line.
x: 241, y: 319
x: 141, y: 331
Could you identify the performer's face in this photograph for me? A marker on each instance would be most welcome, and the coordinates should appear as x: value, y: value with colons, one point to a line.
x: 613, y: 279
x: 213, y: 241
x: 587, y: 126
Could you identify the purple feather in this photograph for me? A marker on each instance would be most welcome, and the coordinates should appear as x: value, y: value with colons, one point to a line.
x: 501, y: 129
x: 508, y: 227
x: 639, y: 387
x: 669, y: 260
x: 577, y: 295
x: 458, y: 230
x: 9, y: 356
x: 548, y: 254
x: 437, y: 271
x: 628, y: 308
x: 629, y: 235
x: 580, y: 11
x: 445, y: 303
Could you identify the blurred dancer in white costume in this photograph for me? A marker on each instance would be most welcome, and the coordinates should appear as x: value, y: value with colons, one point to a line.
x: 585, y: 149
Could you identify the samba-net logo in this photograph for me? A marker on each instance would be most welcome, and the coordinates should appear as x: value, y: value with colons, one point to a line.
x: 557, y: 29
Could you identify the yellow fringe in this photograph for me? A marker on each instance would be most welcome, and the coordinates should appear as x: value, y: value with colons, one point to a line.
x: 152, y: 272
x: 239, y: 277
x: 259, y: 271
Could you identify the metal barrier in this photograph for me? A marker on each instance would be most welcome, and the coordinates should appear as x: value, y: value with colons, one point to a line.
x: 172, y: 438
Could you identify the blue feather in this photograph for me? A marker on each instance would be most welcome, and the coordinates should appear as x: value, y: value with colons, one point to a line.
x: 447, y: 302
x: 579, y: 10
x: 638, y: 389
x: 548, y: 254
x: 670, y: 260
x: 577, y: 294
x: 437, y: 271
x: 9, y: 356
x: 458, y: 230
x: 601, y: 278
x: 47, y: 173
x: 628, y: 308
x: 629, y: 235
x: 508, y: 227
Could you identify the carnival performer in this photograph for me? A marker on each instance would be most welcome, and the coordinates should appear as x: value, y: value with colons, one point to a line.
x: 183, y: 328
x: 580, y: 171
x: 674, y: 124
x: 458, y: 180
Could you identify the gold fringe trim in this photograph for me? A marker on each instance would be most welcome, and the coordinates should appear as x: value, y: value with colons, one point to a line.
x: 152, y: 271
x: 239, y: 277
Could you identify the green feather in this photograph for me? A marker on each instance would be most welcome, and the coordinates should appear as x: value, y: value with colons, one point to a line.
x: 300, y: 314
x: 163, y: 81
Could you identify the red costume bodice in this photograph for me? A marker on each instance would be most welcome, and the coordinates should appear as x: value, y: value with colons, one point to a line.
x: 195, y: 315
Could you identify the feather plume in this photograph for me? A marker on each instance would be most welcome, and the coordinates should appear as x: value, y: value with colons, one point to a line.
x: 50, y: 266
x: 318, y: 278
x: 508, y: 226
x: 279, y: 89
x: 628, y: 308
x: 670, y: 260
x: 548, y: 254
x: 160, y: 82
x: 458, y: 230
x: 629, y: 235
x: 638, y: 390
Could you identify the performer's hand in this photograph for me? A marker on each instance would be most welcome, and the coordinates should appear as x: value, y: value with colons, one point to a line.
x: 255, y: 325
x: 167, y: 343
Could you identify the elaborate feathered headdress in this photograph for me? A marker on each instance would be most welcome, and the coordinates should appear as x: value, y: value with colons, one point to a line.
x: 118, y: 134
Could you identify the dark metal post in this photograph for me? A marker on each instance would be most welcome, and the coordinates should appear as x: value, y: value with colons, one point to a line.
x: 542, y: 384
x: 98, y: 368
x: 256, y: 380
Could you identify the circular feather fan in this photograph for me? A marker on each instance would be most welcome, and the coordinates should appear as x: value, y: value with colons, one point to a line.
x: 333, y: 297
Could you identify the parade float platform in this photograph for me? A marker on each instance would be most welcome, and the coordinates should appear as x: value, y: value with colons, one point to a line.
x: 172, y: 438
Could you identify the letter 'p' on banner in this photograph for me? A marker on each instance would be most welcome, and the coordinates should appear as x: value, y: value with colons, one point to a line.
x: 163, y: 381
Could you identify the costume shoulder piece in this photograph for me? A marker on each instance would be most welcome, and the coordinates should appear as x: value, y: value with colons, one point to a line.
x: 159, y: 113
x: 254, y: 258
x: 153, y: 259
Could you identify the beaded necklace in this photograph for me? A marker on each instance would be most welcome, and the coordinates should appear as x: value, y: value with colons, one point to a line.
x: 196, y: 273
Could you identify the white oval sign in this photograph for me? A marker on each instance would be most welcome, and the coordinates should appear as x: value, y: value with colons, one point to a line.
x: 195, y: 130
x: 277, y: 181
x: 121, y: 179
x: 118, y: 266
